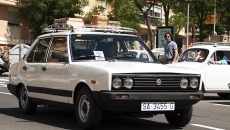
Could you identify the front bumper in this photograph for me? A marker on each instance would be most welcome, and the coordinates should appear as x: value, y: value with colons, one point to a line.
x: 131, y: 101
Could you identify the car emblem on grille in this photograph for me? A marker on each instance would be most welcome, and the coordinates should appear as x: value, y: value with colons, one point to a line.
x: 158, y: 82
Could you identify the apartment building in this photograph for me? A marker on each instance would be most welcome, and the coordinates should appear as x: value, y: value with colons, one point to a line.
x: 12, y: 31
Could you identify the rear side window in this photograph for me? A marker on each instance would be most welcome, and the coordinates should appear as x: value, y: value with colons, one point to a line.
x: 39, y: 52
x: 58, y: 44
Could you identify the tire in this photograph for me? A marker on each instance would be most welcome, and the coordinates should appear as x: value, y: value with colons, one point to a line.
x: 180, y: 118
x: 223, y: 95
x: 88, y: 113
x: 26, y: 106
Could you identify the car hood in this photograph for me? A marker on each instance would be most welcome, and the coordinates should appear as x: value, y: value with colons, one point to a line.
x: 136, y: 67
x: 192, y: 65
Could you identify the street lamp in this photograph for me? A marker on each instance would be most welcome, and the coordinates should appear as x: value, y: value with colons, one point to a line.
x: 187, y: 23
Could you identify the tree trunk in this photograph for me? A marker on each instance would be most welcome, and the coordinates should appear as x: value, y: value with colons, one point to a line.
x: 166, y: 10
x: 149, y: 30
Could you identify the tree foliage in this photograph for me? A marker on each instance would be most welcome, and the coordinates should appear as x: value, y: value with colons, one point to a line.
x: 125, y: 12
x: 129, y: 11
x: 178, y: 21
x: 223, y: 11
x: 41, y: 13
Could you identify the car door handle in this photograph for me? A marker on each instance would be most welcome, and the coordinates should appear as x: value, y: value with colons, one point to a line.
x: 44, y: 68
x: 24, y: 67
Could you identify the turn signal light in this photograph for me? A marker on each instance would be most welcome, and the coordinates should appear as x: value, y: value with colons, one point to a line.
x: 195, y: 97
x: 122, y: 96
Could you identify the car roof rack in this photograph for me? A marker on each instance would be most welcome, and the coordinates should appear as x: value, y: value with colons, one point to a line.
x: 211, y: 43
x: 57, y: 27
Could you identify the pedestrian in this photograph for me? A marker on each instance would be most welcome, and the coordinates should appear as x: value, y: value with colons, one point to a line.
x: 171, y: 49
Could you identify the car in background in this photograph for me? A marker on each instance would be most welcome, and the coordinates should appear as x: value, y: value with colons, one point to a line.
x: 142, y: 54
x: 158, y: 51
x: 201, y: 56
x: 17, y: 52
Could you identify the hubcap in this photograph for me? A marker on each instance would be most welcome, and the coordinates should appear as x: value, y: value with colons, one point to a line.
x: 83, y: 108
x: 24, y: 98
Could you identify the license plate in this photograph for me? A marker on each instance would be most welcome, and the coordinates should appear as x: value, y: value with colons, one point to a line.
x: 157, y: 106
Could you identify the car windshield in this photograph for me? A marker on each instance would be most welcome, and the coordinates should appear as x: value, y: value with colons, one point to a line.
x: 194, y: 55
x: 109, y: 47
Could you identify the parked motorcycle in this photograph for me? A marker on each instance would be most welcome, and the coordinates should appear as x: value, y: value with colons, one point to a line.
x: 4, y: 66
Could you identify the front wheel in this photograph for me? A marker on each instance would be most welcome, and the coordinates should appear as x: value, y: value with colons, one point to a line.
x: 223, y: 95
x: 88, y: 113
x: 180, y: 118
x: 25, y: 103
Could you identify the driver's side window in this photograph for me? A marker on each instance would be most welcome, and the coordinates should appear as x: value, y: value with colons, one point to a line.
x: 38, y: 54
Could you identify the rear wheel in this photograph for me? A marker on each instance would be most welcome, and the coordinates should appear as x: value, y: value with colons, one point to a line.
x: 88, y: 113
x: 223, y: 95
x: 180, y: 117
x: 25, y: 103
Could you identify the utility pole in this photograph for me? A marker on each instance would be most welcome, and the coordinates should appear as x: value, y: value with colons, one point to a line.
x: 187, y: 23
x: 187, y: 27
x: 214, y: 24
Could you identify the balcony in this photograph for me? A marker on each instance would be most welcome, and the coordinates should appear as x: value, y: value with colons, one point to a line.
x: 9, y: 2
x: 153, y: 21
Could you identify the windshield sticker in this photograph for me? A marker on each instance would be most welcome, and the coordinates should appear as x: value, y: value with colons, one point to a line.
x: 99, y: 55
x: 78, y: 35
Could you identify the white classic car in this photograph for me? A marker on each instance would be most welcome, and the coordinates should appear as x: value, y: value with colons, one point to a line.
x: 203, y: 56
x: 92, y: 71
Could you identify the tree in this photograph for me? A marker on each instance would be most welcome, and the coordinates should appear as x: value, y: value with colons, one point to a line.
x: 167, y: 7
x: 125, y: 12
x: 41, y: 13
x: 198, y: 12
x: 179, y: 21
x: 224, y: 14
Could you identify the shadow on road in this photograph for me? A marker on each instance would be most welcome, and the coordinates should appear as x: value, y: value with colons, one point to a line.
x: 213, y: 97
x: 65, y: 119
x: 221, y: 103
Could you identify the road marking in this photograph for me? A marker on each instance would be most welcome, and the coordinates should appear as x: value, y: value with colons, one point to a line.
x: 3, y: 85
x: 207, y: 127
x: 4, y: 79
x: 5, y: 93
x: 222, y: 105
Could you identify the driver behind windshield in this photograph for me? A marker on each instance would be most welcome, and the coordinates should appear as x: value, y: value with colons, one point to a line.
x: 111, y: 50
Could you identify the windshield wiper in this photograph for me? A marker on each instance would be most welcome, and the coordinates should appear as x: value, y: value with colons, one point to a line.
x: 125, y: 55
x: 85, y: 57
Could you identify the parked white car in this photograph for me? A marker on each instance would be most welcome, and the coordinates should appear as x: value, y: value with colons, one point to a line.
x: 76, y: 68
x: 158, y: 51
x: 201, y: 56
x: 142, y: 54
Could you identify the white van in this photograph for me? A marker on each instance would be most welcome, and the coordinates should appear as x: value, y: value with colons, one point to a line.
x: 17, y: 52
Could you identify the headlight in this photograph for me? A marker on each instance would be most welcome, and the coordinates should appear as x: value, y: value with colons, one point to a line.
x: 194, y: 83
x: 117, y: 83
x: 128, y: 83
x: 184, y: 83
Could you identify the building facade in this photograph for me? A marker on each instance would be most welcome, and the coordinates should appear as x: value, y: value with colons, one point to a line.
x: 14, y: 32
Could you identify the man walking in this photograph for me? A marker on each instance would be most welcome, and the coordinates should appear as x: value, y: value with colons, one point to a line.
x: 171, y: 49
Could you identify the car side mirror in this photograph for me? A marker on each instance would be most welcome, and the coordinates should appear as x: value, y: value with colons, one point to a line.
x: 162, y: 59
x: 62, y: 57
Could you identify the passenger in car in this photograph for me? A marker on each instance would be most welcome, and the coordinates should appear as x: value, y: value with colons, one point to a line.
x: 220, y: 60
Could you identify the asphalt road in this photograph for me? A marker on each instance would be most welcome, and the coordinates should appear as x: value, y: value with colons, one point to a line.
x: 212, y: 113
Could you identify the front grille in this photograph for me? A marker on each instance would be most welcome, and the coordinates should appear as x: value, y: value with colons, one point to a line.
x: 169, y: 81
